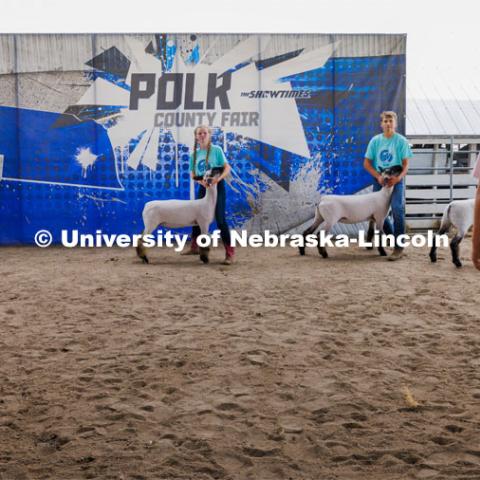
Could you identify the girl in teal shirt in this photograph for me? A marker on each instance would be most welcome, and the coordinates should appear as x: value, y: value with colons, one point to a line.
x: 206, y: 156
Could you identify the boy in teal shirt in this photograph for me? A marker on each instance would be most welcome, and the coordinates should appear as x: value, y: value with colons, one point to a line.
x: 387, y: 150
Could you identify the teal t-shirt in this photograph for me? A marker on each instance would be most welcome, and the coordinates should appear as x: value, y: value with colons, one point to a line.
x: 387, y: 152
x: 215, y: 159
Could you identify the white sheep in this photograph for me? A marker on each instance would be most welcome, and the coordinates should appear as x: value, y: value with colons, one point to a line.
x: 333, y: 209
x: 181, y: 213
x: 458, y: 214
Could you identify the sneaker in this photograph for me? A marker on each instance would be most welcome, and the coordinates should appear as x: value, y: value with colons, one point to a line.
x: 396, y: 255
x: 229, y: 255
x: 194, y: 250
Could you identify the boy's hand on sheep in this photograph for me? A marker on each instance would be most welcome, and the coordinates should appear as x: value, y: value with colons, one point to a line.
x: 380, y: 179
x: 392, y: 181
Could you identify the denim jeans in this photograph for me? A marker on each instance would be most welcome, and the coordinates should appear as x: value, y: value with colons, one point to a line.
x: 397, y: 206
x: 220, y: 216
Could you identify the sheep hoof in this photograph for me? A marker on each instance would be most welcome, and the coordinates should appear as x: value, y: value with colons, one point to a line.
x: 457, y: 263
x: 204, y: 254
x: 382, y: 252
x: 140, y: 253
x: 301, y: 251
x: 433, y: 258
x: 323, y: 252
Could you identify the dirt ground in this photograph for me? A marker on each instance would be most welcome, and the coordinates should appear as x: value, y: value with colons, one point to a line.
x: 278, y: 367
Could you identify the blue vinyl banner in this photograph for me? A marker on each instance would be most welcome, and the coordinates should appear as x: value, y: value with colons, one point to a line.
x: 293, y: 114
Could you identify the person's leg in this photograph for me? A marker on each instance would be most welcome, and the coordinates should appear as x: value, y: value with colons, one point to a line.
x: 398, y: 209
x: 220, y: 218
x: 398, y: 213
x: 194, y: 250
x: 476, y: 229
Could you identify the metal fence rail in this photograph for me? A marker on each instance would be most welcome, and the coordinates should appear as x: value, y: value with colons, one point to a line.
x: 429, y: 188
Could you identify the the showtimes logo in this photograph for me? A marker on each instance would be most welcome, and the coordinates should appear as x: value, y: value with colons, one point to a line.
x: 277, y: 94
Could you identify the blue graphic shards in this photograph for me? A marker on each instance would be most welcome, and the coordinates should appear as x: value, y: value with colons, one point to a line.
x: 163, y: 49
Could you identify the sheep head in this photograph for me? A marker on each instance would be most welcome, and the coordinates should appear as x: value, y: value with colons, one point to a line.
x: 390, y: 172
x: 211, y: 174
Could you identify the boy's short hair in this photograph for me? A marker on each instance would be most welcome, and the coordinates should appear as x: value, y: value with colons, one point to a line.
x: 389, y: 114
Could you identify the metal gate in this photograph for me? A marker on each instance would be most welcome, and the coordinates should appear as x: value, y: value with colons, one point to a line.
x: 436, y: 176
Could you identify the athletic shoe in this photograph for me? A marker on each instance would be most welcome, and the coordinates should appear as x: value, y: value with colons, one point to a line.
x: 228, y: 260
x: 396, y: 255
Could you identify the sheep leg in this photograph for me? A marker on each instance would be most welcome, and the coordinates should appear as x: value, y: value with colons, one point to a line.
x: 370, y: 232
x: 444, y: 228
x: 150, y: 226
x: 141, y: 252
x: 204, y: 251
x: 454, y: 247
x: 316, y: 222
x: 381, y: 250
x: 323, y: 250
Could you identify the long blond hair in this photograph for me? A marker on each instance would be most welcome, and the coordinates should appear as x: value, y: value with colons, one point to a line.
x: 195, y: 146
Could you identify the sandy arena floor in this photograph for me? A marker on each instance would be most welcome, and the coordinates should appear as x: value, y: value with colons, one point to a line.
x: 279, y: 367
